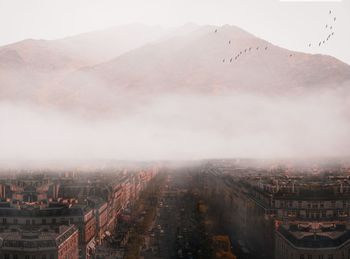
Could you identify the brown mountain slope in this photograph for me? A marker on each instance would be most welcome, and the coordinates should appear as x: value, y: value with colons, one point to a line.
x: 29, y: 69
x: 189, y: 59
x: 194, y: 63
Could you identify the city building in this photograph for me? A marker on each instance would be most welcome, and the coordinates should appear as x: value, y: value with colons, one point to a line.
x: 39, y: 207
x: 39, y: 243
x: 282, y: 212
x: 313, y: 240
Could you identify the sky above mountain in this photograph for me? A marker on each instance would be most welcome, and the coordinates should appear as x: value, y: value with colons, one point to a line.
x: 289, y: 24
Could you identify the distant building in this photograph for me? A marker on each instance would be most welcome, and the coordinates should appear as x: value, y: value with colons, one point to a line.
x: 82, y: 217
x: 101, y: 214
x: 29, y: 190
x: 36, y: 206
x: 312, y: 241
x: 268, y: 209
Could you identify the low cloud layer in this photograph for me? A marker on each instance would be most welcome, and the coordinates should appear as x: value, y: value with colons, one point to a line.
x: 183, y: 127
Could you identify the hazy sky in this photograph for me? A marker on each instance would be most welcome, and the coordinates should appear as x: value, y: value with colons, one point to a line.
x: 288, y: 24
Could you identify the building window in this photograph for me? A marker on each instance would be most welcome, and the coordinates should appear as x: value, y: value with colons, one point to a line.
x: 302, y: 256
x: 4, y: 220
x: 330, y: 256
x: 6, y: 256
x: 309, y: 256
x: 43, y: 257
x: 43, y: 221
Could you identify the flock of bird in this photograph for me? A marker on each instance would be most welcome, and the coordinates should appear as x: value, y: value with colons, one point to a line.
x: 242, y: 52
x: 245, y: 51
x: 329, y: 27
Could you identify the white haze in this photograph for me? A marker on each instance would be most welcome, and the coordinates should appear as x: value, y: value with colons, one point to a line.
x: 183, y: 127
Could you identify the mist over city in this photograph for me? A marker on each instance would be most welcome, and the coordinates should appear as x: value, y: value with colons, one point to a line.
x: 190, y: 127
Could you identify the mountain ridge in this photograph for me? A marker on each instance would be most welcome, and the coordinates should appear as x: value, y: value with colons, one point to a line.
x: 191, y: 59
x: 127, y: 69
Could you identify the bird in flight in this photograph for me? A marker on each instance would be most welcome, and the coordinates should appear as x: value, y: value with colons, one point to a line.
x: 329, y: 26
x: 216, y: 30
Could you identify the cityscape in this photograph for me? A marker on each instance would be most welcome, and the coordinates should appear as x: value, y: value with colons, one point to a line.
x: 237, y: 208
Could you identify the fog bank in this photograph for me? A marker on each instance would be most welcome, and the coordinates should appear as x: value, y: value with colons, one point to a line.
x: 183, y: 127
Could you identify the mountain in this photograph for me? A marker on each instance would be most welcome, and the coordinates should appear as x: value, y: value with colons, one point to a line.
x: 85, y: 49
x: 194, y: 63
x: 143, y: 61
x: 101, y: 46
x: 31, y: 68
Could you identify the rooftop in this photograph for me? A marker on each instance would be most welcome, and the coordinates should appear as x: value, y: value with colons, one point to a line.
x: 75, y: 210
x: 35, y: 238
x: 315, y: 235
